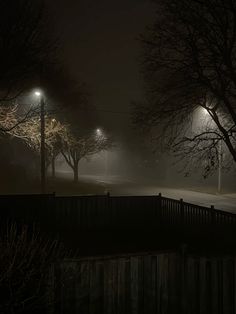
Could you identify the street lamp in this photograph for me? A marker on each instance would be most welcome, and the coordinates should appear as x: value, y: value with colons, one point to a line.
x: 98, y: 131
x: 39, y: 95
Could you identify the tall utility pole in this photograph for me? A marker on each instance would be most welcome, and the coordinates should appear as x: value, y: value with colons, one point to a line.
x: 106, y: 163
x: 220, y: 167
x: 42, y: 141
x: 42, y: 146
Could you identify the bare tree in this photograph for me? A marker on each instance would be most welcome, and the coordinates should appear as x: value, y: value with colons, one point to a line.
x: 25, y: 46
x: 77, y: 147
x: 189, y: 65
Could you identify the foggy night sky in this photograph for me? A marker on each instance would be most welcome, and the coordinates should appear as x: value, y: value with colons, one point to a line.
x: 99, y: 44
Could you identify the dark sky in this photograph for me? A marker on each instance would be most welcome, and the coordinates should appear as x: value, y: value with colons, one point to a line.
x: 100, y: 47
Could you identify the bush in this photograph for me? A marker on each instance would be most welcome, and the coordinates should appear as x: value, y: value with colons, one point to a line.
x: 25, y: 262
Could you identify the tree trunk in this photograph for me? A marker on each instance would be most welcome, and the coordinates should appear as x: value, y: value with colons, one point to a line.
x: 76, y: 173
x: 53, y: 168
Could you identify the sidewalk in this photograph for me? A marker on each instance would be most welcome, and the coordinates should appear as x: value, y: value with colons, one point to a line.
x: 225, y: 202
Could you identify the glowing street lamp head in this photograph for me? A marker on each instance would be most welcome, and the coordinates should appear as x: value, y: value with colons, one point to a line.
x: 98, y: 131
x: 37, y: 93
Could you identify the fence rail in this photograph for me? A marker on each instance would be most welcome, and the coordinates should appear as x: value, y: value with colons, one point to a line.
x: 105, y: 211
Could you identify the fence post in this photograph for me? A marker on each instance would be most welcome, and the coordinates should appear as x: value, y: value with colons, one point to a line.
x: 213, y: 220
x: 159, y: 208
x: 108, y: 214
x: 181, y: 210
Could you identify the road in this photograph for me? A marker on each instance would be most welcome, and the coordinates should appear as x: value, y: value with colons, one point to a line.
x: 119, y: 186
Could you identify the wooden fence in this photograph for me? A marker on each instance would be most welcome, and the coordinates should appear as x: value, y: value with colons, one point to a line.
x: 111, y: 224
x: 111, y: 212
x: 167, y: 283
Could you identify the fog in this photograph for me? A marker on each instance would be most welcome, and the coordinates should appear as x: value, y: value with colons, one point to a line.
x: 122, y: 165
x: 127, y: 163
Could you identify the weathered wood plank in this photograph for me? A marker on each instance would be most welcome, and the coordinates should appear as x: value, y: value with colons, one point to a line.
x: 134, y: 283
x: 191, y: 288
x: 96, y: 288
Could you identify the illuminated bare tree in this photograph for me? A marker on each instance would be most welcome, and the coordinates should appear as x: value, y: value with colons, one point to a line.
x: 10, y: 117
x: 30, y: 133
x: 77, y: 147
x: 189, y: 62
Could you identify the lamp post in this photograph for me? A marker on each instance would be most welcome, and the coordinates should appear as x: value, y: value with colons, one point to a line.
x: 220, y: 160
x: 100, y: 133
x: 220, y: 157
x: 42, y: 142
